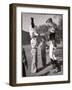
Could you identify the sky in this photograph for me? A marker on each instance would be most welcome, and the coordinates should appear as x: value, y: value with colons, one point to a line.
x: 39, y: 19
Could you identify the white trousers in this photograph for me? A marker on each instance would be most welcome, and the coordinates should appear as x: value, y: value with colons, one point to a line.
x: 33, y: 53
x: 51, y: 51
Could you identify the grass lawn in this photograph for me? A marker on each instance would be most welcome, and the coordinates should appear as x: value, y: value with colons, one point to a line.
x: 44, y: 71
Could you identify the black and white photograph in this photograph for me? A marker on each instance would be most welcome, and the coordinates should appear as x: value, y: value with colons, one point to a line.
x: 42, y: 44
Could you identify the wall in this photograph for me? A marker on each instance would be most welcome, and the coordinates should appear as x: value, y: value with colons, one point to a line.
x: 4, y: 45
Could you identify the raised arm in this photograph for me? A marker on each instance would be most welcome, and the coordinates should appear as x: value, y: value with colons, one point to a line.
x: 32, y: 22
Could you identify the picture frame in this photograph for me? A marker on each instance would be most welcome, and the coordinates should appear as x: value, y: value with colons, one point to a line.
x: 20, y: 15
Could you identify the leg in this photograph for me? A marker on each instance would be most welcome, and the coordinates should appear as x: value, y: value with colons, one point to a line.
x: 34, y: 55
x: 36, y: 59
x: 51, y: 51
x: 51, y: 54
x: 23, y: 70
x: 33, y: 66
x: 57, y: 65
x: 43, y: 54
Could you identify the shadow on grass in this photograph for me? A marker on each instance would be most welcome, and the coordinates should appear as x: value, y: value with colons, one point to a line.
x: 40, y: 69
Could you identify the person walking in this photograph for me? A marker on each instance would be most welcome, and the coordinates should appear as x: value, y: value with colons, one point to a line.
x: 52, y: 43
x: 33, y: 35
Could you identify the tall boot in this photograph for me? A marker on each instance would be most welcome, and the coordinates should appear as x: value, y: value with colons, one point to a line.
x: 57, y: 65
x: 53, y: 63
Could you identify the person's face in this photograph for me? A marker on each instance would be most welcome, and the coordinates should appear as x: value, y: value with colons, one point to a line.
x: 50, y: 27
x: 49, y: 24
